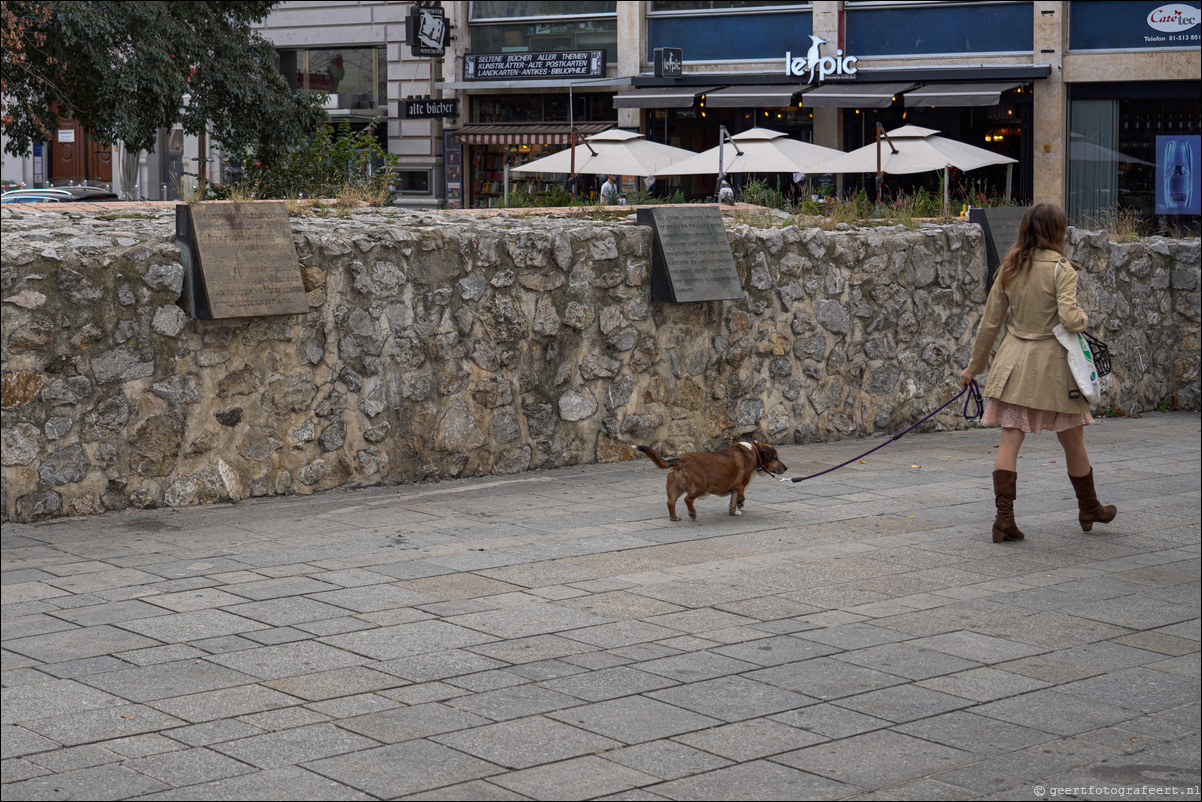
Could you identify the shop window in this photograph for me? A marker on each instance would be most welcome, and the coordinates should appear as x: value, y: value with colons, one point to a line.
x: 1112, y: 148
x: 411, y: 182
x: 538, y: 27
x: 354, y: 78
x: 530, y: 108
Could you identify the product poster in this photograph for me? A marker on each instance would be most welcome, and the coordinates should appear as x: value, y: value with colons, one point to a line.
x: 1177, y: 179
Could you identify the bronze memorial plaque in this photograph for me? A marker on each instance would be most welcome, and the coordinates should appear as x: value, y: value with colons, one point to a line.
x: 243, y: 260
x: 692, y: 260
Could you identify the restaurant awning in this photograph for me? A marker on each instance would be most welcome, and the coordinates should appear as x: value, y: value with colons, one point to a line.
x: 958, y: 94
x: 661, y: 97
x: 526, y: 133
x: 853, y: 96
x: 753, y: 97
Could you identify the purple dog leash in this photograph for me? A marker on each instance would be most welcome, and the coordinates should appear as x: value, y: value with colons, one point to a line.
x: 973, y: 397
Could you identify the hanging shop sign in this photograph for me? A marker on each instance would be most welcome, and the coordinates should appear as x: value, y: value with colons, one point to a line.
x: 669, y: 62
x: 428, y: 108
x: 426, y: 31
x: 531, y: 66
x: 820, y: 68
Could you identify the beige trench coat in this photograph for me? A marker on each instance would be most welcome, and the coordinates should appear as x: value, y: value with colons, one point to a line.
x: 1031, y: 366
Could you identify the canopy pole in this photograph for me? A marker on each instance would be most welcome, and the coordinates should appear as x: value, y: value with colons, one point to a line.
x: 1009, y: 174
x: 572, y: 145
x: 880, y: 172
x: 946, y: 181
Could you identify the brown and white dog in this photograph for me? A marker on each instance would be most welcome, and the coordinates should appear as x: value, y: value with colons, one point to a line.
x: 718, y: 473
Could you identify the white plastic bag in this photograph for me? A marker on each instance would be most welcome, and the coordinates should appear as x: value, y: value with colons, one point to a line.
x: 1080, y: 363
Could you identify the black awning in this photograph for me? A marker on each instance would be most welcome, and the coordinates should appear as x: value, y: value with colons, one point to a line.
x: 853, y: 96
x: 958, y: 94
x: 661, y: 97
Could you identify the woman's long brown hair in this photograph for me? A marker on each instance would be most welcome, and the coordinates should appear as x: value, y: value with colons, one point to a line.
x: 1043, y: 227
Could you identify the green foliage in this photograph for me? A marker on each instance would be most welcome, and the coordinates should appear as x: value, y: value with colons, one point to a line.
x: 677, y: 197
x: 761, y: 193
x: 324, y: 167
x: 122, y: 70
x: 558, y: 196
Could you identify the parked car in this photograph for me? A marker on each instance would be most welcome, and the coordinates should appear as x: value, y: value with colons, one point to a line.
x: 58, y: 195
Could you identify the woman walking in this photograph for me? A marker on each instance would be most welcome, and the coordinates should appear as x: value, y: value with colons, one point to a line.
x: 1030, y: 387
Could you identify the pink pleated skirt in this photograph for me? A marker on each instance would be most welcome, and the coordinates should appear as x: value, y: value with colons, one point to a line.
x: 1030, y: 420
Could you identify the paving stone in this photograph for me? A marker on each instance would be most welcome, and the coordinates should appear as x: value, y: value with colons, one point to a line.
x: 906, y: 660
x: 902, y: 703
x: 77, y: 644
x: 667, y: 760
x: 609, y: 683
x: 191, y: 626
x: 407, y: 723
x: 1136, y: 689
x: 1055, y: 712
x: 695, y: 666
x: 239, y: 700
x: 403, y: 768
x: 634, y: 719
x: 756, y: 780
x: 984, y: 684
x: 110, y: 781
x: 33, y: 702
x: 339, y: 682
x: 405, y: 640
x: 474, y: 791
x: 874, y: 758
x: 579, y: 778
x: 288, y: 660
x: 294, y: 746
x: 188, y: 767
x: 824, y: 678
x: 515, y: 702
x: 974, y: 733
x: 749, y: 740
x: 526, y: 742
x: 149, y: 683
x: 732, y: 698
x: 291, y: 782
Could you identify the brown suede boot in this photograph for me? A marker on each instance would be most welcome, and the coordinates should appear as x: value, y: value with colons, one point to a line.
x: 1004, y: 491
x: 1092, y: 510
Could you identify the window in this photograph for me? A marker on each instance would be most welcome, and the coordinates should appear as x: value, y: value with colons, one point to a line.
x: 411, y: 182
x: 539, y: 27
x: 355, y: 78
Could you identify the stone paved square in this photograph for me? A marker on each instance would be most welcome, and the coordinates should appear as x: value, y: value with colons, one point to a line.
x: 859, y: 636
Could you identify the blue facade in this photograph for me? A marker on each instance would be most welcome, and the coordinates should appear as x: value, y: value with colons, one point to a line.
x: 1111, y: 25
x: 921, y: 31
x: 732, y: 37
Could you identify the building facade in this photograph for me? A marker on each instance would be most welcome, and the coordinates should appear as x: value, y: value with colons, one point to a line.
x: 1077, y: 91
x: 1098, y: 100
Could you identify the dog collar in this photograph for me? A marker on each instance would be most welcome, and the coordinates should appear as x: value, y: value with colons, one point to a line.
x: 759, y: 458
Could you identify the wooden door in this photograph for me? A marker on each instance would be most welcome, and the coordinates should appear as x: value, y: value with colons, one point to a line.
x: 76, y: 158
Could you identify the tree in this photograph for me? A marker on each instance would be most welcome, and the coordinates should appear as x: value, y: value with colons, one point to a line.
x: 124, y: 70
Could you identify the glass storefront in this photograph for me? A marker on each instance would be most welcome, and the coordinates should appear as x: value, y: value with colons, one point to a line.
x: 355, y: 78
x: 1113, y: 159
x: 541, y: 27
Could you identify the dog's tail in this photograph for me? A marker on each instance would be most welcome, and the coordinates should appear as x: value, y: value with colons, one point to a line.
x: 659, y: 461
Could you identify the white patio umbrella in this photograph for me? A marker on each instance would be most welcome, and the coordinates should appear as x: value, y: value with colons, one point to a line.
x: 759, y: 150
x: 913, y: 149
x: 613, y: 152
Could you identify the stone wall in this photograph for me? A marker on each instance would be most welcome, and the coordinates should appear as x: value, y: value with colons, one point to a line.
x: 444, y: 345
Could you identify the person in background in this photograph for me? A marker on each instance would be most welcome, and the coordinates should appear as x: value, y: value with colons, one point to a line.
x: 1030, y: 386
x: 725, y: 193
x: 609, y: 190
